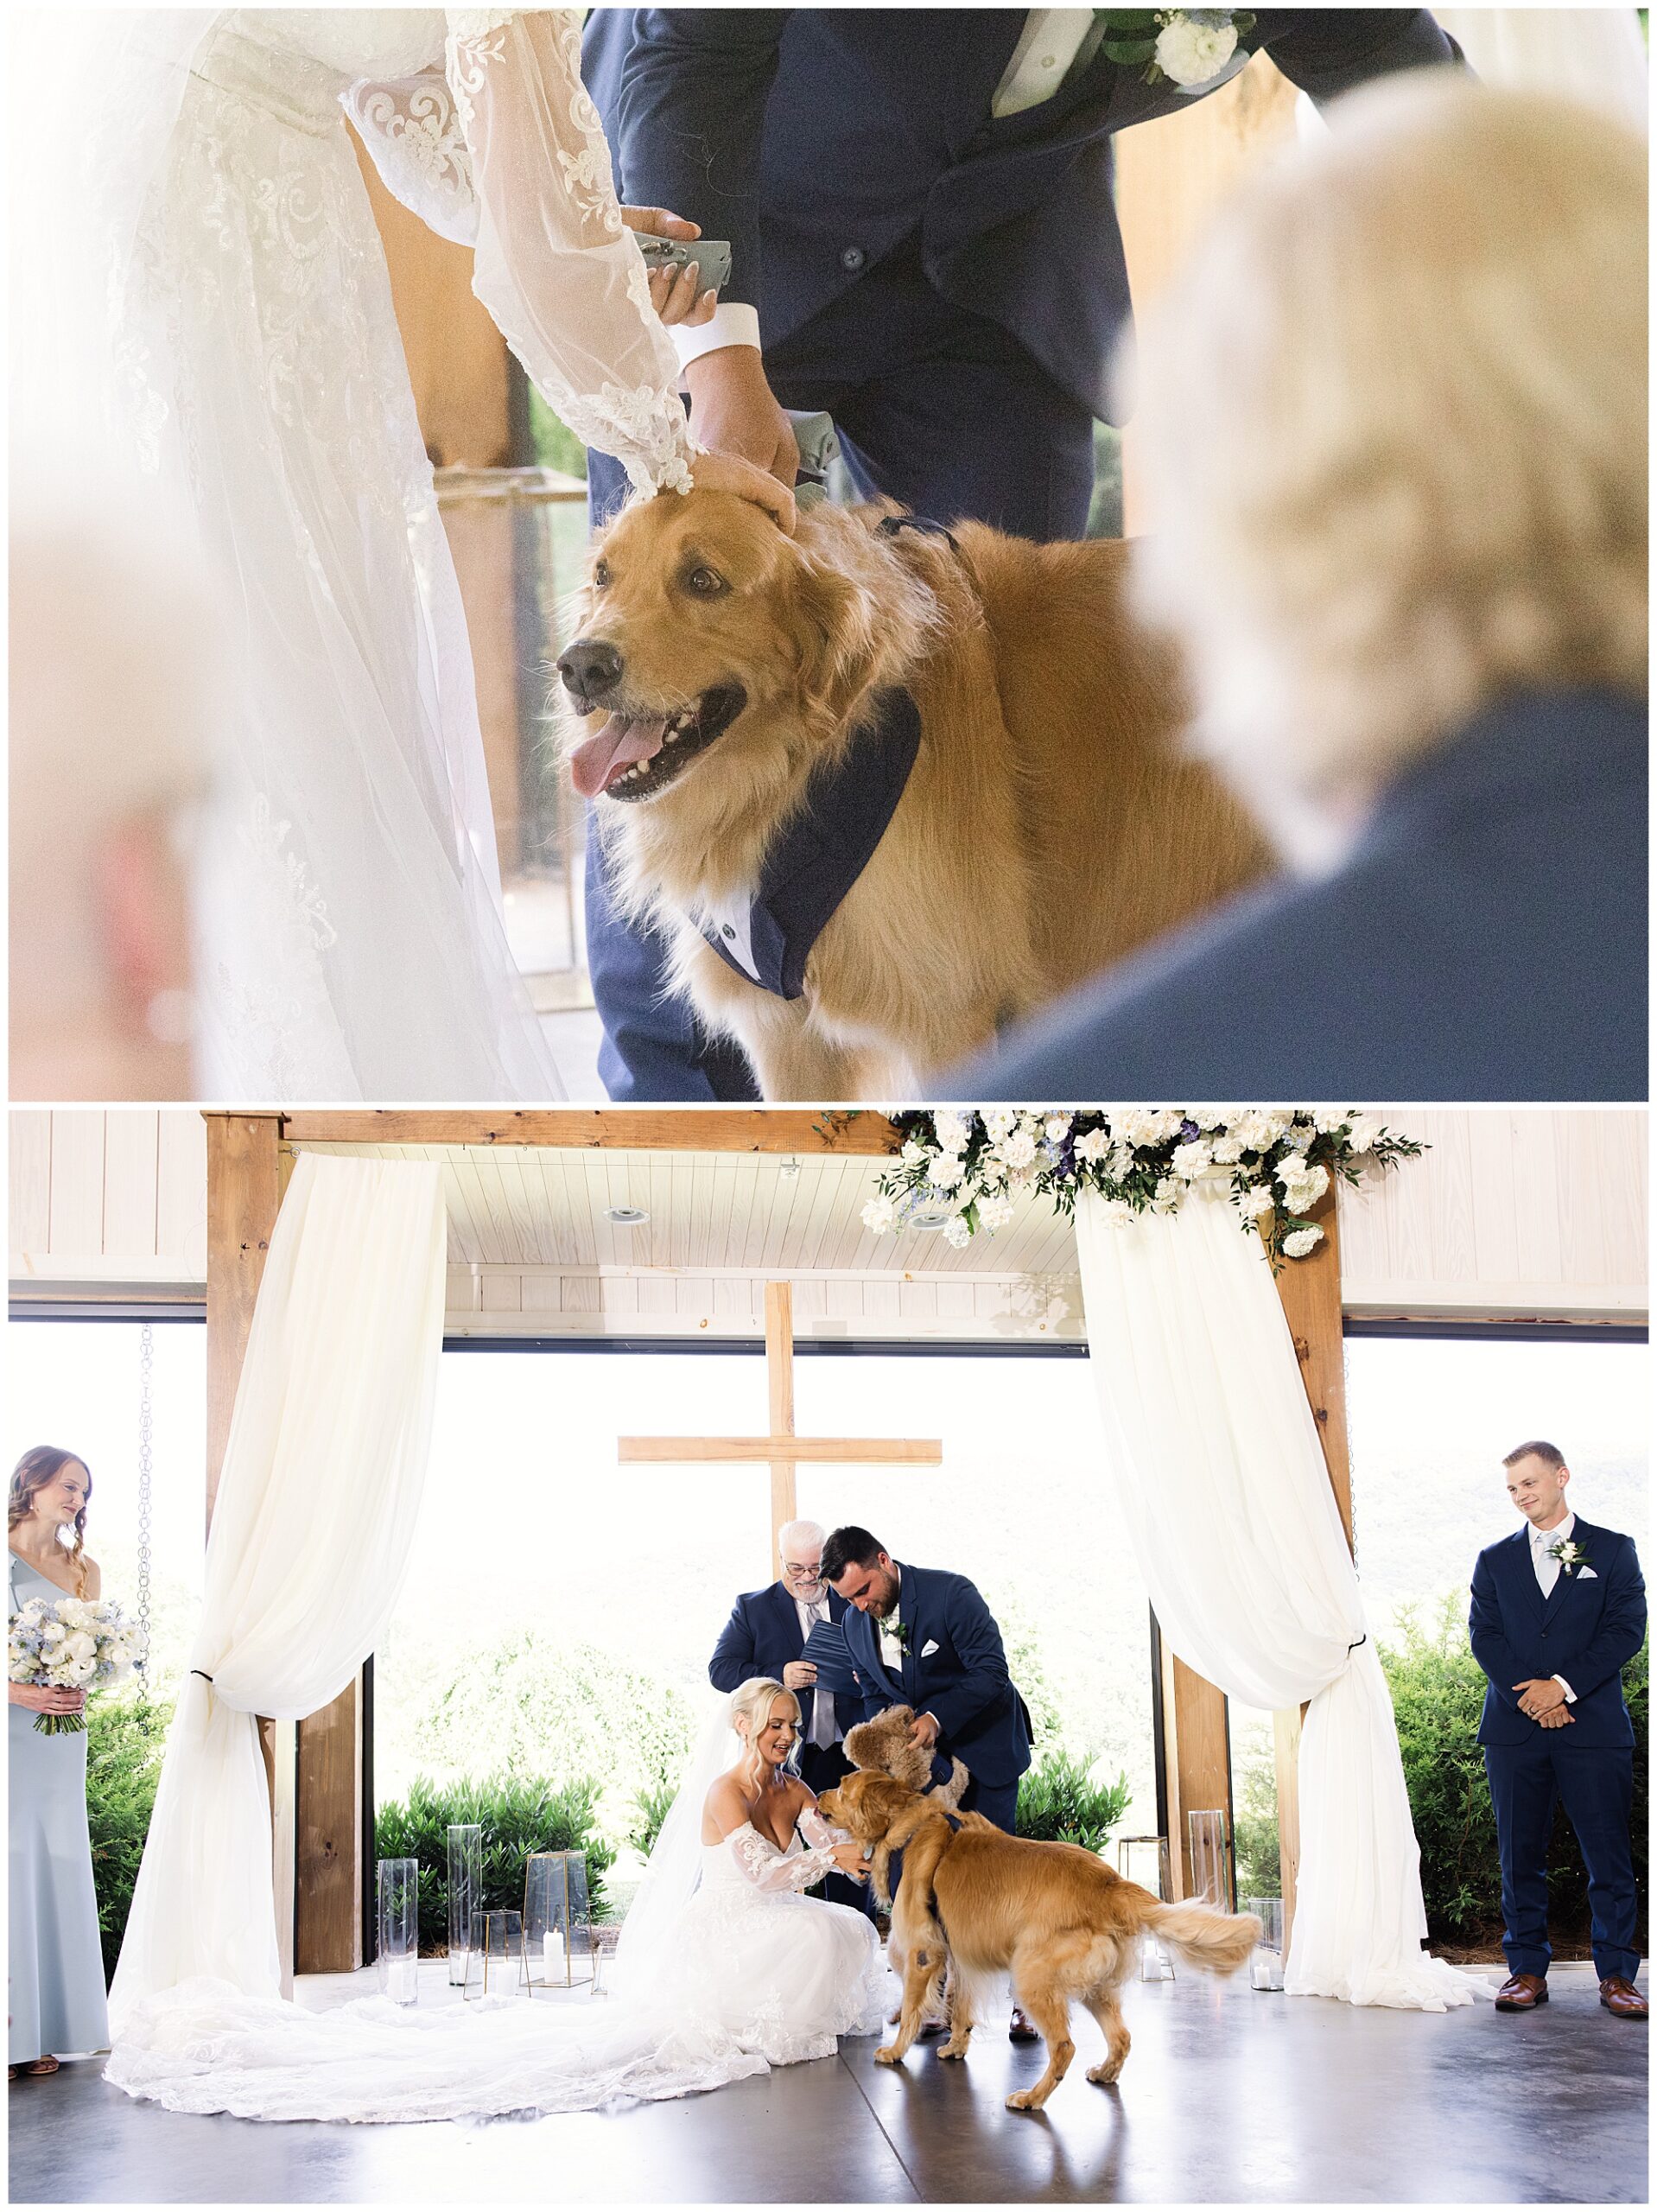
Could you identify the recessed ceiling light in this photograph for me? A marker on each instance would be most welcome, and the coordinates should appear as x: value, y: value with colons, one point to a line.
x: 789, y: 1170
x: 626, y: 1217
x: 926, y: 1220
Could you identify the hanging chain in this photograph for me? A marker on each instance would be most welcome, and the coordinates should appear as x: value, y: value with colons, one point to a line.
x: 146, y: 1463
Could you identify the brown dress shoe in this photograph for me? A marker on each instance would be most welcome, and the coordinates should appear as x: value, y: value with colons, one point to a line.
x: 1618, y: 1994
x: 929, y: 2030
x: 1522, y: 1992
x: 1020, y: 2030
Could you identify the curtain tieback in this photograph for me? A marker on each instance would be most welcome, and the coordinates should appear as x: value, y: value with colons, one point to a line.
x: 1351, y: 1648
x: 205, y: 1678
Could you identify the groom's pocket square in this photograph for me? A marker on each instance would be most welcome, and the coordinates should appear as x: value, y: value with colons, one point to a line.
x: 927, y: 1650
x: 1586, y: 1575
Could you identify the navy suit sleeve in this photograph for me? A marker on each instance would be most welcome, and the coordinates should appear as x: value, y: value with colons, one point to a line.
x: 1622, y: 1626
x: 733, y: 1662
x: 1330, y: 51
x: 1490, y: 1645
x: 690, y: 121
x: 978, y: 1645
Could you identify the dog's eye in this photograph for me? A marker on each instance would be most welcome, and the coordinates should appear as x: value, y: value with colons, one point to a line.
x: 706, y: 583
x: 600, y: 574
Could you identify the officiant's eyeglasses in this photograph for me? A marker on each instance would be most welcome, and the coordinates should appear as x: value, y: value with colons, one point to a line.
x: 810, y: 1573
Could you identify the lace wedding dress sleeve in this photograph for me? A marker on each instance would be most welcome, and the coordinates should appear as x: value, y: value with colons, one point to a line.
x: 556, y: 266
x: 767, y: 1868
x: 821, y: 1833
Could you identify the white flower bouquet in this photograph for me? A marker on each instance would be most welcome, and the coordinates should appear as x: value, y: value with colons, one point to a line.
x: 72, y: 1643
x: 1275, y: 1165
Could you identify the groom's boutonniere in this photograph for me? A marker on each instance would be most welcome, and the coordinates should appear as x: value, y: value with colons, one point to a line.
x: 1187, y: 47
x: 895, y: 1632
x: 1572, y: 1557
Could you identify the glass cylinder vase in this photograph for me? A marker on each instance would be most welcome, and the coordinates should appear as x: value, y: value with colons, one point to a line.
x: 1144, y: 1860
x: 397, y: 1928
x: 1210, y: 1863
x: 465, y: 1899
x: 1266, y: 1966
x: 504, y: 1971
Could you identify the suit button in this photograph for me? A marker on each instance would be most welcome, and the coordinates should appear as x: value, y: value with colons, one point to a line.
x: 852, y: 258
x: 727, y: 930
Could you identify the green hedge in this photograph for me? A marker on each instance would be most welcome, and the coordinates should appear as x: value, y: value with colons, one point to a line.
x: 518, y: 1813
x: 1438, y: 1690
x: 1059, y: 1801
x: 124, y: 1742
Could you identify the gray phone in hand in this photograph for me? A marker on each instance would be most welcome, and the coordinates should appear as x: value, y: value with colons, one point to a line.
x: 712, y: 257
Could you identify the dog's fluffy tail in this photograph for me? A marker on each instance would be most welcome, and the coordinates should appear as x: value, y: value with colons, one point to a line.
x: 1218, y: 1942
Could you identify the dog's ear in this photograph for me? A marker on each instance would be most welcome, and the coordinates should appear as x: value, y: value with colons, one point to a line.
x: 836, y: 638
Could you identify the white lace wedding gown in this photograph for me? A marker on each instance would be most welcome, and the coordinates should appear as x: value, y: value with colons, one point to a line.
x: 351, y: 942
x: 755, y: 1975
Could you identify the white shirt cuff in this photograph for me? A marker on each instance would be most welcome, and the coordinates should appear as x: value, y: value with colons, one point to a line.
x: 732, y: 325
x: 1570, y: 1694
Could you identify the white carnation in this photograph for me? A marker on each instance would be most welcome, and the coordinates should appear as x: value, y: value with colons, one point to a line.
x: 1192, y: 50
x: 1058, y: 1126
x: 880, y: 1214
x: 1095, y: 1144
x: 945, y: 1171
x: 952, y: 1130
x: 1167, y: 1194
x: 1364, y: 1132
x: 913, y: 1153
x: 1192, y: 1160
x: 1018, y: 1148
x: 998, y: 1124
x: 995, y: 1213
x: 1257, y: 1202
x: 1299, y: 1242
x: 1227, y: 1151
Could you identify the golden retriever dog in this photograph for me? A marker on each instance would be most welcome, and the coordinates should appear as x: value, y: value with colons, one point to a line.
x: 884, y: 1745
x: 1063, y: 1922
x: 1048, y: 825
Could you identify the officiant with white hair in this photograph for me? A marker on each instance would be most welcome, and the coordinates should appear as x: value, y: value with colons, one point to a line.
x: 765, y: 1634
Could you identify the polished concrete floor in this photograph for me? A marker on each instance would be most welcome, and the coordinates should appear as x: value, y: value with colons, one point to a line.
x: 1228, y: 2096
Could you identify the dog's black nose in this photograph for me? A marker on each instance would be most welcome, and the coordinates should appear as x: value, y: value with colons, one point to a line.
x: 590, y: 668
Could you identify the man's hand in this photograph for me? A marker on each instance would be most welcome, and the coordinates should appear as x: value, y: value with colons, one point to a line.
x: 799, y: 1675
x: 848, y: 1857
x: 676, y: 294
x: 733, y: 410
x: 925, y: 1731
x: 1560, y: 1716
x: 1538, y: 1697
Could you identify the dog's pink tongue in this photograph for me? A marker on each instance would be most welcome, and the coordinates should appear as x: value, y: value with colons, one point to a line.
x: 594, y: 766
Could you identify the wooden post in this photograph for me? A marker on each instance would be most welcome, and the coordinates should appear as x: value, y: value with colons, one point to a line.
x: 779, y: 1373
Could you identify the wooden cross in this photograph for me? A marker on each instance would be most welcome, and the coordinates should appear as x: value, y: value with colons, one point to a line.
x: 782, y: 1450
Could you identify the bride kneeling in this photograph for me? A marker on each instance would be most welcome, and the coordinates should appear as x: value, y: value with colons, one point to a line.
x: 784, y: 1973
x: 724, y: 1970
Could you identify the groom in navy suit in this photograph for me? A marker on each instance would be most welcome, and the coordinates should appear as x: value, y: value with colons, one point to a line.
x: 918, y: 202
x: 1558, y: 1611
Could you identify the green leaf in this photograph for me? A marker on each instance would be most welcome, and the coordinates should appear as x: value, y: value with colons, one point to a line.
x: 1132, y: 54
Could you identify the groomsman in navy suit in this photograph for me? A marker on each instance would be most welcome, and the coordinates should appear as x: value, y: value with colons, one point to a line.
x: 1558, y: 1611
x: 765, y: 1634
x: 921, y: 1637
x: 923, y: 241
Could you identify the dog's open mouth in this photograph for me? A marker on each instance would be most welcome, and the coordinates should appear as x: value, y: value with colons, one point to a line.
x: 635, y: 755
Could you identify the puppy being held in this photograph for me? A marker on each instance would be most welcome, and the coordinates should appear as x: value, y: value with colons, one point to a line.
x: 981, y: 1904
x: 882, y: 788
x: 884, y: 1746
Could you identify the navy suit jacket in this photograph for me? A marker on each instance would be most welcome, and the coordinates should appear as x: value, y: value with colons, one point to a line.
x: 815, y: 139
x: 1587, y: 1629
x: 962, y: 1681
x: 1485, y: 939
x: 762, y: 1635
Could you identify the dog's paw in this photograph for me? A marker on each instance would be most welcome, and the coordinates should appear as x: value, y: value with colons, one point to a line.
x: 1024, y: 2101
x: 955, y: 2047
x: 888, y: 2055
x: 1104, y: 2075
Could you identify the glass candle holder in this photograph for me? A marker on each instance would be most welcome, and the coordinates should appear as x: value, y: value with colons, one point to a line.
x: 397, y: 1928
x: 1265, y: 1967
x: 504, y: 1971
x: 1211, y: 1866
x: 1145, y: 1859
x: 556, y: 1912
x: 465, y: 1899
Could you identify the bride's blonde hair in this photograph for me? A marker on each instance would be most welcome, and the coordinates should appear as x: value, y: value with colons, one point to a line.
x: 752, y: 1702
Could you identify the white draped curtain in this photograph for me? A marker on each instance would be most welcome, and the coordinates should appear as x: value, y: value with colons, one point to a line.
x: 315, y: 1511
x: 1219, y: 1479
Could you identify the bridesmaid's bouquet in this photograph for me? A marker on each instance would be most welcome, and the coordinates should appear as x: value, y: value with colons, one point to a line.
x: 71, y: 1643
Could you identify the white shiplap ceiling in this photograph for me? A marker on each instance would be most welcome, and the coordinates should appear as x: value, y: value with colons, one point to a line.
x: 534, y: 1206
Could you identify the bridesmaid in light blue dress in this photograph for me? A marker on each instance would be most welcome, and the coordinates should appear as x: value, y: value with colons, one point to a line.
x: 56, y: 1998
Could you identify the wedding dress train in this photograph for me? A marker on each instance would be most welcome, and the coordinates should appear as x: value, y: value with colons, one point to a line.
x: 204, y: 260
x: 753, y: 1975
